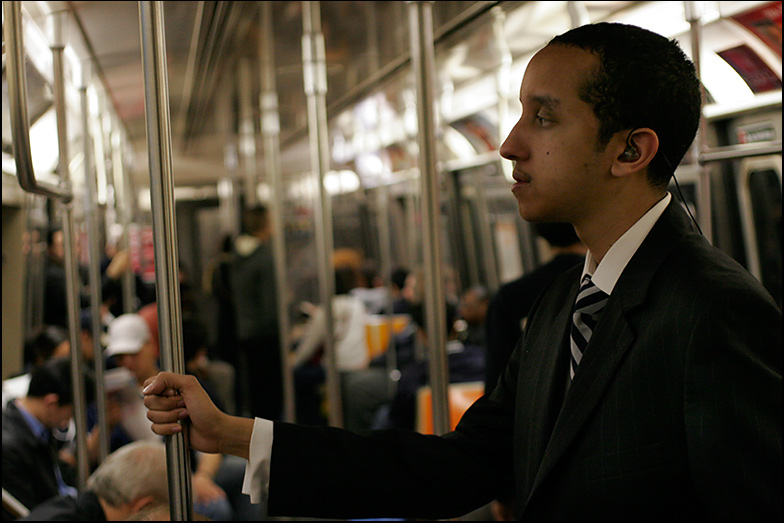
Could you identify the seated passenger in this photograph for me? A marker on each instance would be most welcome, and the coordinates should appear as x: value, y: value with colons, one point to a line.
x: 349, y: 317
x: 31, y: 469
x: 128, y: 481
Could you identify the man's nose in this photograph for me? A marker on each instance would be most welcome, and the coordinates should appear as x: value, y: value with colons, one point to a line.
x: 513, y: 147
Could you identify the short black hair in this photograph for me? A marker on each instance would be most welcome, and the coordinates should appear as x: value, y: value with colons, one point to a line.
x: 41, y: 344
x: 399, y: 276
x: 345, y: 279
x: 644, y: 80
x: 557, y: 234
x: 54, y: 376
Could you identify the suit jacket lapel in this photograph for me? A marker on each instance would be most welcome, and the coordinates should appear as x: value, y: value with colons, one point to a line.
x: 613, y: 336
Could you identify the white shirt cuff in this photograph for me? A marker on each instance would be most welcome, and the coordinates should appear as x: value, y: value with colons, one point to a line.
x: 257, y: 472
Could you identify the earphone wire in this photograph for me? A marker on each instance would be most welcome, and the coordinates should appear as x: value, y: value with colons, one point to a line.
x: 680, y: 194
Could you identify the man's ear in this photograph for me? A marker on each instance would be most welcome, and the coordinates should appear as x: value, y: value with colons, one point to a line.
x: 636, y: 152
x: 52, y: 399
x: 140, y: 503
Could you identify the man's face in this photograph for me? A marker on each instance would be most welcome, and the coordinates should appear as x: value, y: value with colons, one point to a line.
x: 59, y: 415
x: 142, y: 364
x: 560, y: 175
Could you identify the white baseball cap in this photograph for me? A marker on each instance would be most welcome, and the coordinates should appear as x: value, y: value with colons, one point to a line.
x: 127, y: 335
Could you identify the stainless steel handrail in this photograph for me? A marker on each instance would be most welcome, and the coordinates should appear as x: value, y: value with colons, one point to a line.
x: 17, y: 104
x: 315, y: 78
x: 12, y: 505
x: 20, y: 131
x: 158, y: 123
x: 739, y: 151
x: 270, y: 131
x: 423, y: 61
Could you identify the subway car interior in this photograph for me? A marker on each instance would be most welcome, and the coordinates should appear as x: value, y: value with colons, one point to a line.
x: 139, y: 135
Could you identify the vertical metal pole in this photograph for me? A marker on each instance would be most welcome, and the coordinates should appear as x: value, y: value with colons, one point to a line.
x: 705, y: 211
x: 270, y: 131
x: 385, y: 250
x: 423, y: 60
x: 247, y: 139
x: 315, y: 77
x: 72, y: 280
x: 156, y: 104
x: 93, y: 233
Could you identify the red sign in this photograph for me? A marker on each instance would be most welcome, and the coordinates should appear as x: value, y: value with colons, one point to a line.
x: 765, y: 22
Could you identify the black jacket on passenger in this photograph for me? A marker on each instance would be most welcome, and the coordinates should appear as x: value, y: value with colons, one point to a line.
x: 86, y: 507
x: 28, y: 463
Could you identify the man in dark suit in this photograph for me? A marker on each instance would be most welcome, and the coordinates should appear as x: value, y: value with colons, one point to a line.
x: 32, y: 471
x: 655, y: 394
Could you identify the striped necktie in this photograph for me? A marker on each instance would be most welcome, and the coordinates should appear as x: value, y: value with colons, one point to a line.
x: 590, y: 302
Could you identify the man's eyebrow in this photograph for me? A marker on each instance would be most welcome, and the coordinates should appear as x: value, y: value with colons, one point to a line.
x: 545, y: 101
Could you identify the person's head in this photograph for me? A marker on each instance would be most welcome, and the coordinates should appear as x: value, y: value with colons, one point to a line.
x: 45, y: 343
x: 418, y: 312
x: 130, y: 342
x: 557, y: 234
x: 398, y: 278
x: 644, y: 81
x: 608, y: 112
x: 345, y: 279
x: 473, y: 305
x: 256, y: 221
x: 55, y: 244
x: 131, y: 478
x: 50, y: 396
x: 194, y: 344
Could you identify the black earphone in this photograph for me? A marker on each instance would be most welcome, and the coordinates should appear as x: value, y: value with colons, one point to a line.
x: 630, y: 153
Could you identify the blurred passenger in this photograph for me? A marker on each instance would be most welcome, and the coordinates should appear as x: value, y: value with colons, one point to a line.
x: 32, y: 472
x: 130, y: 343
x: 372, y: 291
x: 217, y: 283
x: 131, y: 479
x: 465, y: 363
x: 55, y: 296
x: 510, y: 306
x: 396, y: 283
x: 45, y: 343
x: 472, y: 316
x: 255, y: 294
x: 349, y: 318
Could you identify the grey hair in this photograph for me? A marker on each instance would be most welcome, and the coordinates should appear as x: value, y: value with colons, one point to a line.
x: 133, y: 471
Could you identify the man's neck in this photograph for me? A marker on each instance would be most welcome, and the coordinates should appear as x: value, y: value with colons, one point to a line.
x: 34, y: 407
x: 600, y: 231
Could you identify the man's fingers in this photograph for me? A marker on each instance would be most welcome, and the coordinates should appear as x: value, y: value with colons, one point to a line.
x: 162, y: 417
x: 166, y: 429
x: 163, y: 384
x: 163, y: 403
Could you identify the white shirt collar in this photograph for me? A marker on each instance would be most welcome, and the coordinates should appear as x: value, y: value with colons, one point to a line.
x: 605, y: 274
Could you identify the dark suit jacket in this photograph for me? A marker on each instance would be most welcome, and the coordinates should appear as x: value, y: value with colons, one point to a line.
x: 510, y: 305
x: 674, y: 412
x: 65, y: 508
x: 28, y: 463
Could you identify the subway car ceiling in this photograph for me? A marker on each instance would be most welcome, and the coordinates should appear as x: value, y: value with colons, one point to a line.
x: 213, y: 53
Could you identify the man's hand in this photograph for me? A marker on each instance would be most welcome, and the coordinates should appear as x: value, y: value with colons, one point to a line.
x: 173, y: 398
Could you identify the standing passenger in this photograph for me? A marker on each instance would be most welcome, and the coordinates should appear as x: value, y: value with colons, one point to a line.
x: 254, y: 290
x: 669, y: 404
